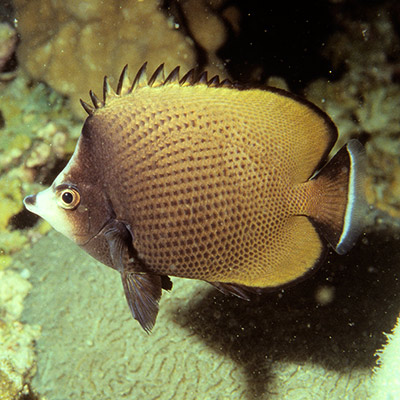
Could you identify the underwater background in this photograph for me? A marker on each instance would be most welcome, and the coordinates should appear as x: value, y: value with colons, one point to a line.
x: 65, y: 329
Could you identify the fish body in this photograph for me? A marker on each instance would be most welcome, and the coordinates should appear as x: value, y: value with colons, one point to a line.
x: 200, y: 179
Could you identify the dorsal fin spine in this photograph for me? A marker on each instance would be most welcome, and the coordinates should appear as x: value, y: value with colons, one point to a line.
x: 95, y: 100
x: 157, y: 79
x: 188, y: 79
x: 202, y: 79
x: 87, y: 107
x: 214, y: 81
x: 140, y: 78
x: 173, y: 77
x: 124, y: 84
x: 107, y: 90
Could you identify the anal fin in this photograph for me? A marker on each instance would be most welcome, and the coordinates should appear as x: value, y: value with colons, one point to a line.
x: 241, y: 291
x: 142, y: 289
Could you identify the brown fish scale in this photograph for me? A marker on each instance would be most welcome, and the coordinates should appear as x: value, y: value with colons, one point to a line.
x: 208, y: 180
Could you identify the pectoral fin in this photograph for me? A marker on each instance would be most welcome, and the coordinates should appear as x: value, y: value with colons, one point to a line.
x: 119, y: 242
x: 142, y: 289
x: 143, y: 292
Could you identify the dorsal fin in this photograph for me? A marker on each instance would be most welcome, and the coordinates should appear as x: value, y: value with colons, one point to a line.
x: 107, y: 90
x: 157, y: 79
x: 95, y: 100
x: 173, y: 77
x: 140, y: 78
x: 214, y: 81
x: 87, y: 107
x: 188, y: 79
x: 203, y: 79
x: 226, y: 83
x: 124, y: 84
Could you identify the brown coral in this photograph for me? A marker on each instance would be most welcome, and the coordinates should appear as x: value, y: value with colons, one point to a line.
x: 71, y: 45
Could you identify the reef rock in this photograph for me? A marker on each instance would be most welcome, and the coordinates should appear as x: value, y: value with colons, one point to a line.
x: 8, y: 42
x: 387, y: 377
x: 17, y: 357
x: 72, y: 45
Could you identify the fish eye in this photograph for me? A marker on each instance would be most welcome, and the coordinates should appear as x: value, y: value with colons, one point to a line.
x: 68, y: 198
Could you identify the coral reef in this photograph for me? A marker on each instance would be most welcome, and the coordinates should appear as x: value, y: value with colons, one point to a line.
x: 37, y: 132
x: 387, y: 377
x: 207, y: 29
x: 72, y: 45
x: 366, y: 100
x: 282, y: 345
x: 17, y: 357
x: 316, y: 340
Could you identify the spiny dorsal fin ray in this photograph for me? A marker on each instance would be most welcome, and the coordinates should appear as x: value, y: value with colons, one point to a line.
x: 95, y: 100
x: 140, y: 78
x: 107, y: 90
x: 203, y: 79
x: 124, y: 84
x: 214, y: 81
x: 188, y: 79
x: 173, y: 77
x: 158, y: 77
x: 87, y: 107
x: 125, y: 87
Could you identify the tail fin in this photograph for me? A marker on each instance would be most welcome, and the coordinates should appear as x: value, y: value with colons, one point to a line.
x: 339, y: 211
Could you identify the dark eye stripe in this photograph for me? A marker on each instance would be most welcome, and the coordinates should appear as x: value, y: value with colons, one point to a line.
x: 64, y: 186
x: 68, y: 196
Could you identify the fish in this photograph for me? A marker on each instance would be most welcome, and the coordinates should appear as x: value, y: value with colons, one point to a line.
x: 205, y: 179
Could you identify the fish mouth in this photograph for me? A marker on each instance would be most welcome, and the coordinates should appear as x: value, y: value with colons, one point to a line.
x: 30, y: 202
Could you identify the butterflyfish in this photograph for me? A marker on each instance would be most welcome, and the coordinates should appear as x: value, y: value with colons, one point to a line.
x: 196, y: 178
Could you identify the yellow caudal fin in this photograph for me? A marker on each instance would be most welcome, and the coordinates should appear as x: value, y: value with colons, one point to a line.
x: 337, y: 203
